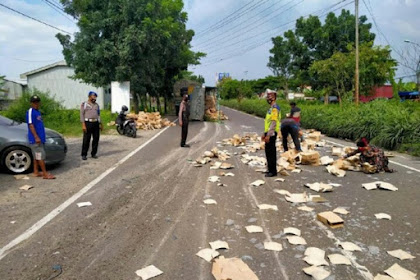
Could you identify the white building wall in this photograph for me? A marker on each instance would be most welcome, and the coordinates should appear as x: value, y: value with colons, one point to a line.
x: 70, y: 93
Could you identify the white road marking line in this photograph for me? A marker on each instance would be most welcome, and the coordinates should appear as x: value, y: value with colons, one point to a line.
x: 362, y: 269
x: 38, y: 225
x: 391, y: 161
x: 227, y: 127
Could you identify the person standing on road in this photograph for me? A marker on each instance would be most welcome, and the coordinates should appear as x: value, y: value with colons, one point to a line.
x: 290, y: 127
x: 36, y: 137
x: 271, y: 129
x: 91, y: 124
x: 183, y: 117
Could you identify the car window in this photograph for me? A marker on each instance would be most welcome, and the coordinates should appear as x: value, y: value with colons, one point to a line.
x: 6, y: 121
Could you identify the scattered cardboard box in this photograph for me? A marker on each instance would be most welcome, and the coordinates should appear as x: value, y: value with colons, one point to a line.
x: 232, y: 269
x: 149, y: 272
x: 84, y: 204
x: 398, y: 272
x: 219, y: 244
x: 317, y: 272
x: 319, y: 187
x: 330, y: 219
x: 209, y: 201
x: 350, y: 246
x: 279, y: 180
x: 339, y: 259
x: 207, y: 254
x: 21, y: 177
x: 336, y: 151
x: 326, y: 160
x: 310, y: 158
x: 296, y: 240
x: 382, y: 216
x: 332, y: 169
x: 26, y: 187
x: 258, y: 183
x: 382, y: 277
x: 297, y: 197
x: 292, y: 230
x: 379, y: 185
x: 254, y: 229
x: 214, y: 179
x: 282, y: 192
x: 400, y: 254
x: 273, y: 246
x: 268, y: 207
x: 306, y: 208
x: 315, y: 256
x: 341, y: 210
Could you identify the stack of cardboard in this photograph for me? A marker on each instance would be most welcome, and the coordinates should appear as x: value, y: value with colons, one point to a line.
x: 150, y: 121
x: 211, y: 111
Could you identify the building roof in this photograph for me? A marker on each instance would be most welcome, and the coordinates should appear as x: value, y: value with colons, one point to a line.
x: 46, y: 67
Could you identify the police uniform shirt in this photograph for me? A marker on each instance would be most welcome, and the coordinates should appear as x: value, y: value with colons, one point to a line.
x: 89, y: 111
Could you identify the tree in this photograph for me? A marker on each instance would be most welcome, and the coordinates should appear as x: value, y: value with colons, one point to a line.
x: 234, y: 89
x: 410, y: 60
x: 336, y: 73
x: 144, y: 42
x: 187, y: 75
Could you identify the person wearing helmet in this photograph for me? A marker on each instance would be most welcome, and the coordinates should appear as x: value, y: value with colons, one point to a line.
x: 271, y: 129
x: 91, y: 124
x: 122, y: 116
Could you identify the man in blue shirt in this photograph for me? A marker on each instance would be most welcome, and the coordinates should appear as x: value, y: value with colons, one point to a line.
x: 36, y: 137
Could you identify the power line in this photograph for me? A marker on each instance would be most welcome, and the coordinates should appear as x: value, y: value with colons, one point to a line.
x: 259, y: 43
x: 25, y: 15
x: 34, y: 61
x: 227, y: 20
x: 223, y: 19
x: 234, y: 28
x: 58, y: 10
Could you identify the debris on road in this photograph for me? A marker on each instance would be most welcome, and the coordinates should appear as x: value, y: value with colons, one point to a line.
x: 339, y: 259
x: 296, y: 240
x: 319, y: 187
x: 149, y: 121
x: 317, y: 272
x: 349, y: 246
x: 400, y: 254
x: 254, y: 229
x: 149, y: 272
x: 306, y: 208
x: 207, y: 254
x: 273, y: 246
x: 336, y: 151
x: 330, y: 219
x: 398, y: 272
x: 226, y: 165
x: 297, y: 197
x: 230, y: 174
x: 84, y: 204
x: 292, y: 230
x: 341, y: 210
x: 279, y: 180
x: 21, y: 177
x: 296, y: 170
x: 26, y: 187
x: 382, y: 216
x: 268, y: 207
x: 315, y: 256
x: 232, y: 269
x: 380, y: 185
x: 258, y: 183
x: 282, y: 192
x: 326, y: 160
x: 334, y: 170
x: 382, y: 277
x: 211, y: 112
x: 209, y: 201
x: 219, y: 244
x: 221, y: 185
x: 310, y: 158
x: 214, y: 179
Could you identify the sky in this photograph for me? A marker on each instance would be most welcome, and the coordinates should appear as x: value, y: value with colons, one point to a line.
x: 235, y: 34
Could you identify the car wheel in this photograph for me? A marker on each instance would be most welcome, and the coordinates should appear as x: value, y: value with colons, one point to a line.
x: 17, y: 159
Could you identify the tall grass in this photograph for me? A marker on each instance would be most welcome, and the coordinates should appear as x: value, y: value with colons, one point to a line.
x: 389, y: 124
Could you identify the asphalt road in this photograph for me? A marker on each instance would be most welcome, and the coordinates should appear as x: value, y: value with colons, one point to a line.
x: 147, y: 208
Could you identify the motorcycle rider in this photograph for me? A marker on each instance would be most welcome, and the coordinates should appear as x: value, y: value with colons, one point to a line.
x: 122, y: 117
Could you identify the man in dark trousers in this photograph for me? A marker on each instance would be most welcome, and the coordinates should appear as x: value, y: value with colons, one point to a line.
x: 271, y: 129
x: 290, y: 126
x: 183, y: 117
x: 91, y: 124
x: 36, y: 137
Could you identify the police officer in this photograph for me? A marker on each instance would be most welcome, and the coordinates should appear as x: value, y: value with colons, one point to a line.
x: 91, y: 124
x: 183, y: 117
x: 271, y: 129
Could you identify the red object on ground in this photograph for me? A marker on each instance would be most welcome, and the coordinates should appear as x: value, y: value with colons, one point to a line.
x: 378, y: 92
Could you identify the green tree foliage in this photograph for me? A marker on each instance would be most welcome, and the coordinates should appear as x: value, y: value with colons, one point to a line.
x: 262, y: 84
x: 144, y: 42
x: 295, y: 51
x: 336, y: 73
x: 17, y: 110
x: 187, y: 75
x: 234, y: 89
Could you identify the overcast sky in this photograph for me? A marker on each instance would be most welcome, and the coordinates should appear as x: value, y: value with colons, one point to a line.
x: 238, y: 44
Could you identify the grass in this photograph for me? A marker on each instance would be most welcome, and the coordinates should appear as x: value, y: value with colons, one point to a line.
x: 389, y: 124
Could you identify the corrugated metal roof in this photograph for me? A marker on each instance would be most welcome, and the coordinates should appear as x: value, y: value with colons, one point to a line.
x: 46, y: 67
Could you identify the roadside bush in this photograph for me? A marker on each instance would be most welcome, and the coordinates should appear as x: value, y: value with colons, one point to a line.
x: 389, y: 124
x: 17, y: 110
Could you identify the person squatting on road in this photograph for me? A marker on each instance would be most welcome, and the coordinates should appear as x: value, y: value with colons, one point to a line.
x: 183, y: 117
x: 91, y: 124
x: 372, y: 155
x: 271, y: 129
x: 290, y: 127
x: 36, y: 137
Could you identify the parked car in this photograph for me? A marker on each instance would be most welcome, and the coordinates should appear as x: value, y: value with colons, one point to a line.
x: 15, y: 152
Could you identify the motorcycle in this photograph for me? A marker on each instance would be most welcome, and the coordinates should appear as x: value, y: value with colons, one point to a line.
x: 126, y: 126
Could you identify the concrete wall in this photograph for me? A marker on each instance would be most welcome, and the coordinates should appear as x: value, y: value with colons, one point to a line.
x: 12, y: 90
x: 70, y: 92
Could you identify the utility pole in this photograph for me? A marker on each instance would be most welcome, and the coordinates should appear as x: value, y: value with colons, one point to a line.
x: 356, y: 84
